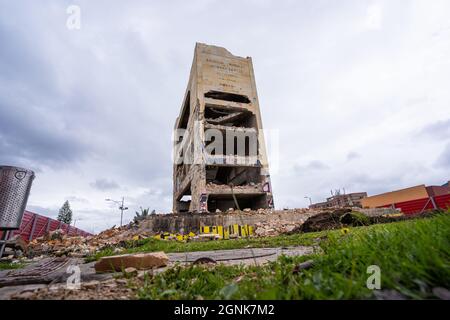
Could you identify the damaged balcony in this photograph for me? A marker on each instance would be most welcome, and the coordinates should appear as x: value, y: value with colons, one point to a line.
x: 237, y: 176
x: 225, y: 201
x: 247, y: 187
x: 229, y: 116
x: 232, y: 145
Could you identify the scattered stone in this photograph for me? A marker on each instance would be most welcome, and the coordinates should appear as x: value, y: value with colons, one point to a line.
x: 121, y: 281
x: 91, y: 284
x: 57, y: 234
x: 24, y: 295
x: 205, y: 260
x: 143, y: 273
x: 112, y: 289
x: 131, y: 272
x: 303, y: 266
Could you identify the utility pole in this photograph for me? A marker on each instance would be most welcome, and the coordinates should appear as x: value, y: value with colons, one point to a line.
x: 122, y: 208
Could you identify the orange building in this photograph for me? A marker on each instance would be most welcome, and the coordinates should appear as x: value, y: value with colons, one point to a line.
x: 403, y: 195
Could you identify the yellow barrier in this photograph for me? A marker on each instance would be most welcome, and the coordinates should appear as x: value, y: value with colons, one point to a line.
x: 225, y: 233
x: 234, y: 231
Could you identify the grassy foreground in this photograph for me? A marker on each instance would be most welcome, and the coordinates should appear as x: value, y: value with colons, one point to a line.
x: 413, y: 257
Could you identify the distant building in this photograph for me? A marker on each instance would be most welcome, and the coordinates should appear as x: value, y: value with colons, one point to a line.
x: 341, y: 200
x: 405, y: 195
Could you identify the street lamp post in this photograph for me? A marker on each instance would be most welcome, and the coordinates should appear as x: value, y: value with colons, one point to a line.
x: 121, y: 208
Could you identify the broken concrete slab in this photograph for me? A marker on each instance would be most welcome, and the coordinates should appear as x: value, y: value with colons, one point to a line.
x: 140, y: 261
x: 246, y: 256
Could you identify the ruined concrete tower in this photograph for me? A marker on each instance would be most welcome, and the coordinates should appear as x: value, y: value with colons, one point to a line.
x: 219, y: 148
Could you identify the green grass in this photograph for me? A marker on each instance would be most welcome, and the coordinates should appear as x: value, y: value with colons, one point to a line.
x: 9, y: 265
x: 152, y: 245
x: 413, y: 257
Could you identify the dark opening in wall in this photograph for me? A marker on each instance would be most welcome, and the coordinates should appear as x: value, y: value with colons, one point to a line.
x: 230, y: 116
x: 184, y: 202
x: 238, y: 176
x: 223, y: 203
x: 233, y: 97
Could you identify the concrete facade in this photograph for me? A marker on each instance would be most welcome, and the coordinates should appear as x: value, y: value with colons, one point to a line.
x: 219, y: 147
x: 341, y: 200
x: 174, y: 223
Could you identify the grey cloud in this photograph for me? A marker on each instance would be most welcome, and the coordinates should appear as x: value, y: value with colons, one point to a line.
x: 60, y: 103
x: 314, y: 165
x: 437, y: 130
x: 34, y: 122
x: 77, y: 199
x: 353, y: 155
x: 104, y: 184
x: 27, y: 138
x: 48, y: 212
x: 443, y: 161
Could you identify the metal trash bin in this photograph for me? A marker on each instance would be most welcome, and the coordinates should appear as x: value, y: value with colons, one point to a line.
x: 15, y: 186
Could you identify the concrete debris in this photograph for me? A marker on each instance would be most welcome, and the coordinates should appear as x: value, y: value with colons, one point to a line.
x: 111, y: 289
x: 274, y: 228
x: 140, y: 261
x: 280, y: 222
x: 55, y: 235
x: 57, y: 243
x: 15, y: 247
x: 131, y: 272
x: 303, y: 266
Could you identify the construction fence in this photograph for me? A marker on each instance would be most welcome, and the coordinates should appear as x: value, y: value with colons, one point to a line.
x: 34, y: 225
x: 421, y: 205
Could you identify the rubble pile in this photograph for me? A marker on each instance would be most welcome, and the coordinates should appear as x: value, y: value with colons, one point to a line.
x: 345, y: 217
x: 275, y: 227
x: 57, y: 243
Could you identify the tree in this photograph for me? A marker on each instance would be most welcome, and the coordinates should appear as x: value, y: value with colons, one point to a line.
x: 142, y: 215
x: 65, y: 213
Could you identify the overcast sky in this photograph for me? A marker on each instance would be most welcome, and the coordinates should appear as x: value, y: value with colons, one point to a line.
x: 357, y: 90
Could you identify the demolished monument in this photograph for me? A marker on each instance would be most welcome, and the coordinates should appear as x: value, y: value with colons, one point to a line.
x: 219, y: 147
